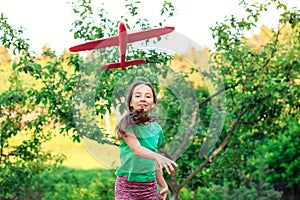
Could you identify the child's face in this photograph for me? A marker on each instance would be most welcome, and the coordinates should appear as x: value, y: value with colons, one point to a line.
x: 142, y: 98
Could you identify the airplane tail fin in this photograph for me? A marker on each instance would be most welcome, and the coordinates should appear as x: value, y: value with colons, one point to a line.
x: 127, y: 63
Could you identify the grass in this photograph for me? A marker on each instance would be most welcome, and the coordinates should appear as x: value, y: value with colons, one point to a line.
x: 107, y: 155
x: 77, y: 156
x: 87, y: 154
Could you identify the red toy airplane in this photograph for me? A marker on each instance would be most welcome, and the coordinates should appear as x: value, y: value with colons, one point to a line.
x: 121, y: 40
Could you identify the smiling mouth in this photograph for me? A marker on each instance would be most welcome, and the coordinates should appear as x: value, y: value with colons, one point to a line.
x: 142, y: 105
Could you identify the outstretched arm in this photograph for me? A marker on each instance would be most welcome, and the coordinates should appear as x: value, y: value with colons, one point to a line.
x: 143, y: 152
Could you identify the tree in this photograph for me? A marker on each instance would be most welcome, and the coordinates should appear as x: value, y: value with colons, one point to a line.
x: 59, y: 99
x: 21, y: 163
x: 257, y: 83
x: 260, y: 86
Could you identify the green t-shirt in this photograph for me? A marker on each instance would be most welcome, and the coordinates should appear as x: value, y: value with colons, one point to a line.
x: 134, y: 167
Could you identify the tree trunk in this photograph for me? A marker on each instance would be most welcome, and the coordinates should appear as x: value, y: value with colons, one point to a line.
x: 173, y: 187
x: 174, y: 196
x: 217, y: 151
x: 26, y: 193
x: 195, y: 193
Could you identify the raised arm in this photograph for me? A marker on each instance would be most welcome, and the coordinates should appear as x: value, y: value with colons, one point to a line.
x: 143, y: 152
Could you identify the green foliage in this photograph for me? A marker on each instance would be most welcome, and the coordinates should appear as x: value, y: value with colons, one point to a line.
x: 10, y: 37
x: 231, y: 191
x: 84, y: 26
x: 20, y: 163
x: 261, y: 87
x: 262, y: 98
x: 282, y: 157
x: 60, y: 95
x: 64, y: 183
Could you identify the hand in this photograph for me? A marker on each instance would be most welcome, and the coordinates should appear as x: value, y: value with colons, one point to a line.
x: 163, y: 193
x: 166, y: 163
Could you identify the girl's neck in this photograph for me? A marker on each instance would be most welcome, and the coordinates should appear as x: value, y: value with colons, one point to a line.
x: 146, y: 123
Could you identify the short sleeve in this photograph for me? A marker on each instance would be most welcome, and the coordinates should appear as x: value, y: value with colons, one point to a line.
x: 161, y: 139
x: 129, y: 129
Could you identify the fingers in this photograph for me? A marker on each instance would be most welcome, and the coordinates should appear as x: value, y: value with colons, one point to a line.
x: 174, y: 163
x: 167, y: 169
x: 163, y: 191
x: 162, y: 196
x: 166, y: 163
x: 170, y: 169
x: 170, y: 166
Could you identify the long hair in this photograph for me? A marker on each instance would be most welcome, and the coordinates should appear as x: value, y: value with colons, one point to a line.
x: 134, y: 116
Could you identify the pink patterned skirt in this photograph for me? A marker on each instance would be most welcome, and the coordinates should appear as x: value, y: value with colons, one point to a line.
x: 125, y: 190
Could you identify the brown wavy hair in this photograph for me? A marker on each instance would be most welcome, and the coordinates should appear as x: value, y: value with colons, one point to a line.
x: 134, y: 116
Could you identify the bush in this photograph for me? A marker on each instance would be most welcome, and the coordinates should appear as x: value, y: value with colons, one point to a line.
x: 65, y: 183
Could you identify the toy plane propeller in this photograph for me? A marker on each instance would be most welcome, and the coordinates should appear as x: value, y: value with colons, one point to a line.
x: 121, y: 40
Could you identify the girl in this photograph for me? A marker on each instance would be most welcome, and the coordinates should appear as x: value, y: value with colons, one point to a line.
x: 141, y: 167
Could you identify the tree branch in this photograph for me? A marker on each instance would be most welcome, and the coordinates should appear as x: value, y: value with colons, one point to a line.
x: 194, y: 119
x: 224, y: 143
x: 185, y: 139
x: 215, y: 94
x: 187, y: 135
x: 218, y: 150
